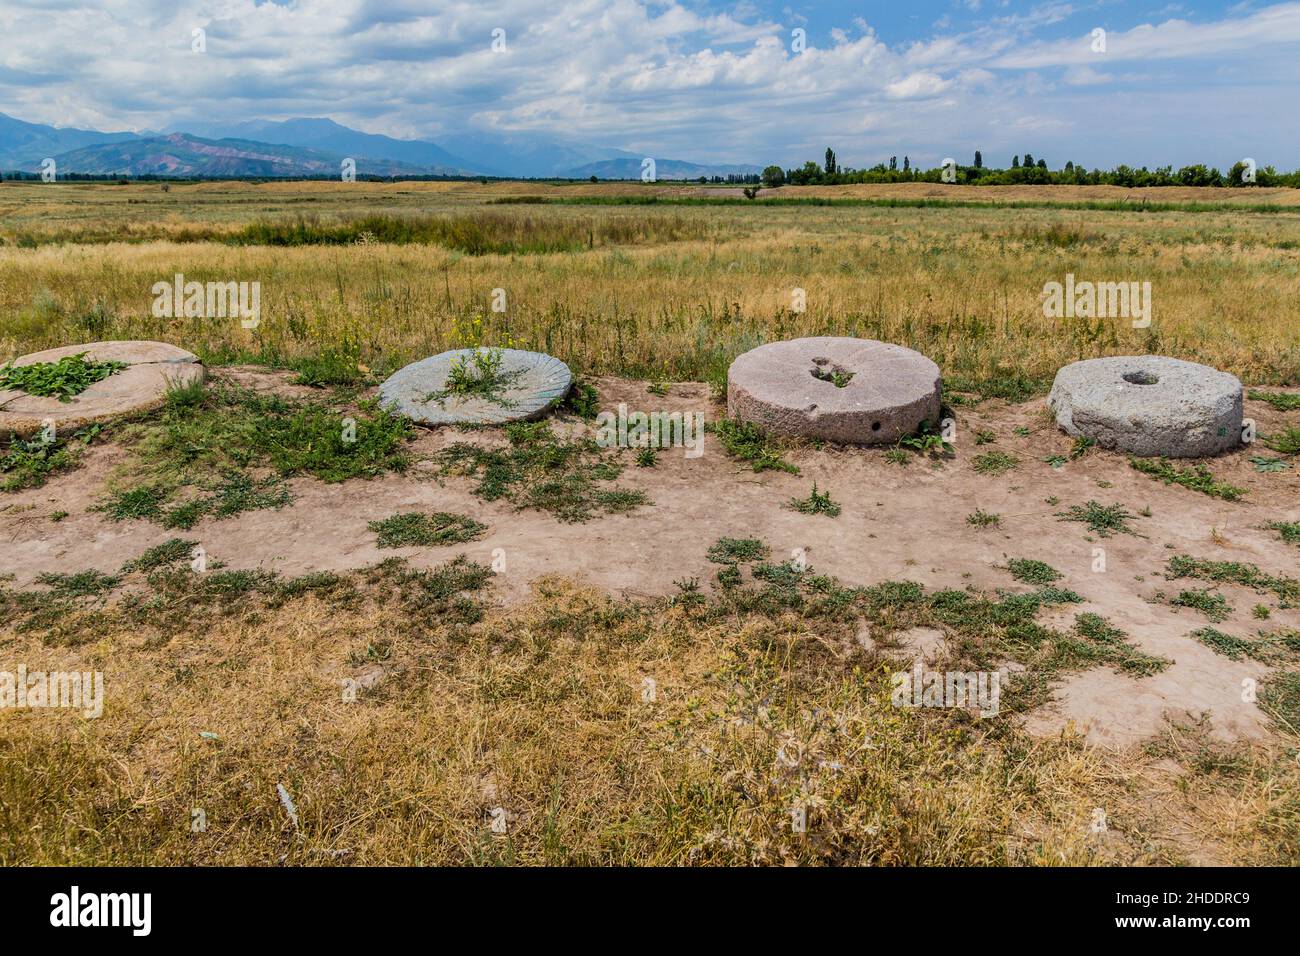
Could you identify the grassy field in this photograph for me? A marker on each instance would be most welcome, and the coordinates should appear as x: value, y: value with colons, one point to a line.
x: 670, y: 292
x: 741, y: 718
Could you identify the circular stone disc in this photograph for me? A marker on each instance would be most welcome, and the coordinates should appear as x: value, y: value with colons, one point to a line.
x: 884, y: 393
x: 152, y: 367
x: 532, y: 383
x: 1149, y: 405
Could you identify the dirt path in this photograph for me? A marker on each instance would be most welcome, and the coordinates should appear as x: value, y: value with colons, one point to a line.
x: 897, y: 523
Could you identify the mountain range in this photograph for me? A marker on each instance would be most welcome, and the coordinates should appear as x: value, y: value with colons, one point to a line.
x: 317, y: 147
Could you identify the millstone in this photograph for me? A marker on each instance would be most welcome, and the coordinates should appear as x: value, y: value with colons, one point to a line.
x: 531, y: 383
x: 1149, y: 405
x: 152, y: 367
x: 856, y: 391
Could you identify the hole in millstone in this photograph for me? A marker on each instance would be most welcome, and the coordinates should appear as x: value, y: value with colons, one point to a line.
x: 875, y: 426
x: 837, y: 375
x: 1140, y: 378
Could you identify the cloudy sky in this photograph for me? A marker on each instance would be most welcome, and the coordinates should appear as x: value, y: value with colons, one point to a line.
x: 692, y: 79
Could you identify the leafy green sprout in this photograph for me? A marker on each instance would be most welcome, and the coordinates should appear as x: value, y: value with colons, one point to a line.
x: 64, y: 379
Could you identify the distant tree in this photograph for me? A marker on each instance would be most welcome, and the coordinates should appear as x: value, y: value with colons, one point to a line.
x: 1015, y: 162
x: 1028, y: 162
x: 893, y: 163
x: 773, y: 176
x: 1042, y: 164
x: 830, y: 162
x: 1069, y: 165
x: 979, y: 160
x: 750, y: 191
x: 907, y: 164
x: 594, y: 178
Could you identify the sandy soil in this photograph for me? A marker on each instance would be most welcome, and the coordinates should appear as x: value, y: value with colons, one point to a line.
x: 897, y: 523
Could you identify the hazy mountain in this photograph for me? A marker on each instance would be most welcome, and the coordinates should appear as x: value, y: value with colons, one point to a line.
x: 315, y: 146
x: 664, y: 169
x: 530, y: 155
x: 180, y: 154
x: 330, y: 137
x: 24, y: 144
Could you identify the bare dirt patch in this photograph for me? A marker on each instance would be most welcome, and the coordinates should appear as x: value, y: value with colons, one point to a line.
x: 898, y: 522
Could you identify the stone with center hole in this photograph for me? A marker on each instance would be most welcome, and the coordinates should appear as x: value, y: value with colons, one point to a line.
x: 855, y: 391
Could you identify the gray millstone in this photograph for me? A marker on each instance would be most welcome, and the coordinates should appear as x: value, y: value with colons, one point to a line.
x: 1149, y: 405
x: 152, y: 368
x: 892, y: 391
x: 534, y: 383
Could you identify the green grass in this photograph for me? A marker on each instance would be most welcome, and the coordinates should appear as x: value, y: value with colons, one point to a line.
x: 29, y: 463
x: 817, y: 503
x: 750, y: 444
x: 541, y: 471
x: 1033, y: 572
x: 171, y: 551
x: 737, y: 551
x: 1235, y: 572
x: 1288, y: 531
x: 1234, y: 648
x: 416, y: 528
x: 64, y: 379
x: 1102, y: 520
x: 1287, y: 442
x: 80, y: 584
x: 1195, y: 477
x: 994, y: 463
x: 220, y: 452
x: 1213, y: 605
x: 1266, y: 465
x: 1282, y: 401
x: 980, y: 518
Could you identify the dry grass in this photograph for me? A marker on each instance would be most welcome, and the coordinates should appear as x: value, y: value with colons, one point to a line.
x: 667, y: 294
x: 543, y: 711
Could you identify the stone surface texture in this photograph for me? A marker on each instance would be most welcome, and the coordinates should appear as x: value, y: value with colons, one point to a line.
x: 1149, y: 405
x: 152, y: 367
x: 534, y: 383
x: 891, y: 392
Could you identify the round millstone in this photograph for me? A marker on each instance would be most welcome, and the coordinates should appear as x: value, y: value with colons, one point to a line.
x: 855, y: 391
x: 531, y: 383
x: 1149, y: 405
x: 152, y: 368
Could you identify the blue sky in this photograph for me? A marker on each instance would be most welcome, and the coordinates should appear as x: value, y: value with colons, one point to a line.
x: 692, y: 79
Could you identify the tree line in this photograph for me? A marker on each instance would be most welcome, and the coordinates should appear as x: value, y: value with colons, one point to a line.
x: 1024, y: 170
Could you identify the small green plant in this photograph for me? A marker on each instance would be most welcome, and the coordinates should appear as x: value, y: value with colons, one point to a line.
x: 994, y: 463
x: 1279, y: 697
x: 1266, y: 465
x: 647, y: 457
x: 749, y: 443
x: 1235, y: 572
x: 1195, y: 477
x: 1260, y: 612
x: 984, y: 437
x: 1082, y: 445
x: 737, y: 551
x: 657, y: 388
x: 1033, y: 572
x: 1282, y: 401
x: 1103, y: 520
x: 1288, y: 531
x: 1056, y: 461
x: 64, y: 379
x: 170, y: 552
x: 1210, y: 603
x: 927, y: 440
x: 1229, y: 646
x: 57, y: 516
x: 817, y: 503
x: 583, y: 400
x: 983, y: 519
x: 1287, y: 442
x: 415, y: 528
x: 896, y: 456
x: 477, y: 374
x: 80, y: 584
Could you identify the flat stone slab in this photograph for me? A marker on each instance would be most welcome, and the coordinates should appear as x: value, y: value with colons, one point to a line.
x: 885, y: 392
x: 152, y: 368
x: 1149, y: 405
x: 533, y: 383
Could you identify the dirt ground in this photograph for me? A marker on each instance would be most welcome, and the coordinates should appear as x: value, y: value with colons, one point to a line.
x: 898, y: 522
